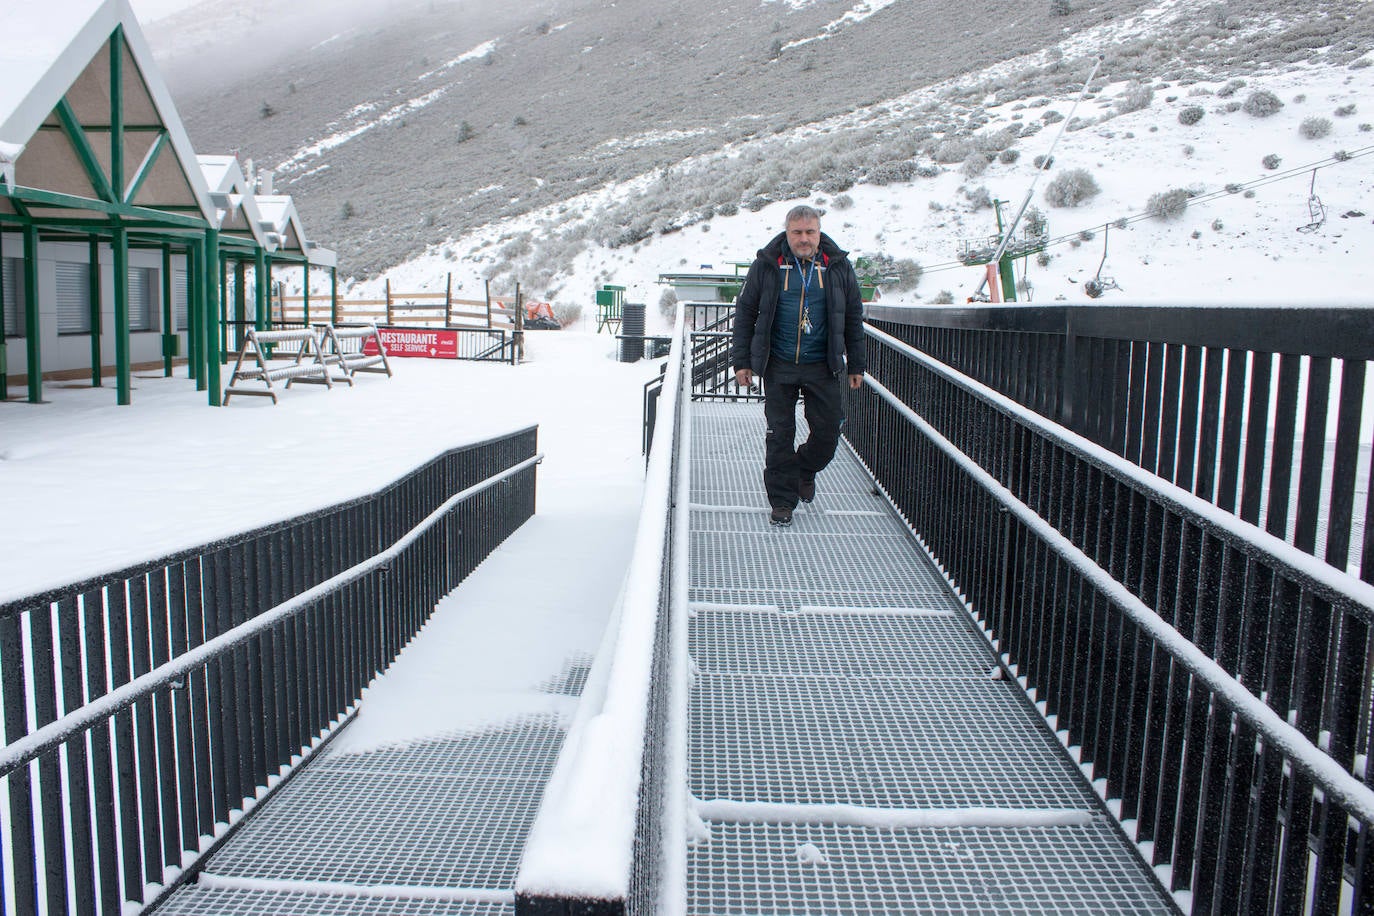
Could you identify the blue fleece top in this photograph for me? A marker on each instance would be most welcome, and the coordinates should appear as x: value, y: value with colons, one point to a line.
x: 799, y: 326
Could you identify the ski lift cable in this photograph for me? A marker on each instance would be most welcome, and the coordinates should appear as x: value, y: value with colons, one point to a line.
x: 1207, y: 197
x: 1044, y: 167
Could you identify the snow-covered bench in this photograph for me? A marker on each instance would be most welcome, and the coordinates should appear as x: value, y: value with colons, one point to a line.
x: 353, y: 360
x: 309, y: 365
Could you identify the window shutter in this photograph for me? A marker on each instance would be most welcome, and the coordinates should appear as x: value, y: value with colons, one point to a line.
x: 13, y: 293
x: 142, y: 314
x: 73, y: 298
x: 179, y: 298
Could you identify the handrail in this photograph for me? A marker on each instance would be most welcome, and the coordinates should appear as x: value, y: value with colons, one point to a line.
x: 1330, y: 776
x: 146, y: 711
x: 1335, y: 584
x: 1212, y: 678
x: 29, y: 747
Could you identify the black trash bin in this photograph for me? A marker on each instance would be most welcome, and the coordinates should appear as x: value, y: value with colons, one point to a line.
x: 632, y: 332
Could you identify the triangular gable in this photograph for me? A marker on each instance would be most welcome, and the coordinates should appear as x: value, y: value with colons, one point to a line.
x: 57, y: 51
x: 231, y: 194
x: 279, y: 214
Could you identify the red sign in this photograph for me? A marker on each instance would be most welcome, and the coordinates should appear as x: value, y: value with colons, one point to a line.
x: 438, y: 344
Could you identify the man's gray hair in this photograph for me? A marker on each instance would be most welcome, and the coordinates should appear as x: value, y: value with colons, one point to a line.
x: 801, y: 212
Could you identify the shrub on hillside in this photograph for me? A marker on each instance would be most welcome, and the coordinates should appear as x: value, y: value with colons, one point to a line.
x: 1272, y: 161
x: 975, y: 165
x: 1314, y: 128
x: 1008, y: 156
x: 891, y: 172
x: 891, y: 273
x: 565, y: 313
x: 952, y: 151
x: 1071, y: 188
x: 1345, y: 111
x: 1168, y: 205
x: 843, y: 202
x: 1262, y: 103
x: 667, y: 304
x: 979, y: 198
x: 1231, y: 88
x: 1191, y: 115
x: 1060, y: 7
x: 1137, y: 97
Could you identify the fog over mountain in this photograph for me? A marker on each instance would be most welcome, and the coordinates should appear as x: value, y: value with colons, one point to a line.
x: 397, y: 126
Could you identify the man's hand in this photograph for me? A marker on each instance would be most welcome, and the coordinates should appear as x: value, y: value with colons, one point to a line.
x: 744, y: 378
x: 856, y: 380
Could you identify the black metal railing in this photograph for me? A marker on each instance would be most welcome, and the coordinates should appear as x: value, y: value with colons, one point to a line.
x: 1215, y: 400
x: 1216, y: 678
x: 145, y: 710
x: 713, y: 378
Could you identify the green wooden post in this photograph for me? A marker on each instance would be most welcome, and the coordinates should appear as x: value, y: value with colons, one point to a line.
x: 212, y: 308
x: 168, y: 337
x: 1004, y: 266
x: 4, y: 357
x: 240, y: 302
x: 333, y: 296
x: 33, y: 351
x: 119, y: 243
x: 305, y: 294
x: 223, y: 275
x: 195, y: 313
x: 260, y: 279
x: 93, y: 309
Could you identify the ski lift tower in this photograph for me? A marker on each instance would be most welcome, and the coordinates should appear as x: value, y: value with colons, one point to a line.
x: 975, y: 252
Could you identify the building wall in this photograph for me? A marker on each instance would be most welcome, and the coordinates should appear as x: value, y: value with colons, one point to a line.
x: 65, y: 352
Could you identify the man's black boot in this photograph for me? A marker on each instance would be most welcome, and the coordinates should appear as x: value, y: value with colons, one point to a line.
x: 781, y: 516
x: 806, y: 490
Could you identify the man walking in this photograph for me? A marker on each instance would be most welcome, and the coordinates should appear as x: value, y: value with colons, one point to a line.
x: 799, y: 327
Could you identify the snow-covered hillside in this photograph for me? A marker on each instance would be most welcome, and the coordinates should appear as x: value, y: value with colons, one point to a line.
x: 1242, y: 246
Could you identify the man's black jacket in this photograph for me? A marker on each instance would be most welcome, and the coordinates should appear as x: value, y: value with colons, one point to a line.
x: 758, y: 304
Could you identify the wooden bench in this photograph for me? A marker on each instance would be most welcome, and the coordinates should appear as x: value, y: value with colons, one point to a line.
x: 351, y: 360
x: 308, y: 367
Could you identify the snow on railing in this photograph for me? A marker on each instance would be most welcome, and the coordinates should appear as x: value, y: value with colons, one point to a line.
x: 581, y: 845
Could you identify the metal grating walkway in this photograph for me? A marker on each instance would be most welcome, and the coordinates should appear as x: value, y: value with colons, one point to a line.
x: 429, y: 829
x: 834, y: 666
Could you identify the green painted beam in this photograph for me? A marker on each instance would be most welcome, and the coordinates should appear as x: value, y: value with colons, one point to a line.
x: 333, y: 296
x: 167, y: 332
x: 93, y: 304
x: 211, y: 310
x: 305, y: 293
x: 4, y: 361
x: 71, y: 126
x: 123, y: 366
x: 145, y: 215
x: 195, y: 365
x: 146, y: 167
x: 261, y: 277
x: 33, y: 350
x: 117, y: 118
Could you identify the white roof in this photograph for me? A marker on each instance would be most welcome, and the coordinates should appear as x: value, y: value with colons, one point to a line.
x: 231, y: 193
x: 48, y: 45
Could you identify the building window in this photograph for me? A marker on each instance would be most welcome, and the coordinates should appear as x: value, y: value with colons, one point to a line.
x: 12, y: 293
x: 73, y: 298
x: 143, y: 299
x: 179, y: 297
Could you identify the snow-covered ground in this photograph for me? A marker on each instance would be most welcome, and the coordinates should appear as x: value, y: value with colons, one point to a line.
x: 89, y: 487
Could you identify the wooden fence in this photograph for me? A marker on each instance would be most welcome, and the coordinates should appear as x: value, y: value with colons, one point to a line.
x: 418, y: 309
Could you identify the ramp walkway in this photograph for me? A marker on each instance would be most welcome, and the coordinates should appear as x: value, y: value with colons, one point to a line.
x: 854, y: 747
